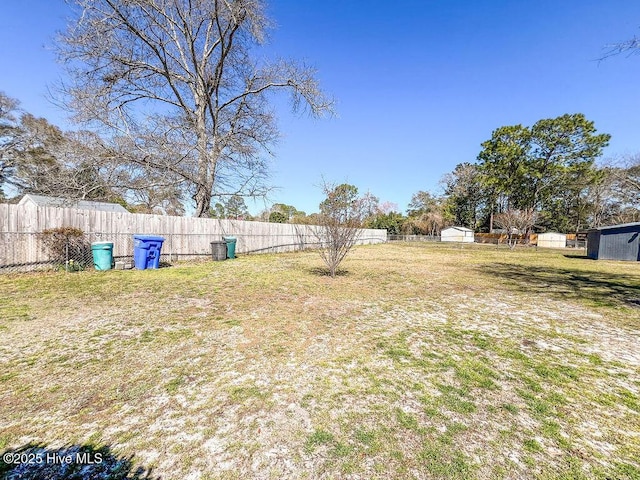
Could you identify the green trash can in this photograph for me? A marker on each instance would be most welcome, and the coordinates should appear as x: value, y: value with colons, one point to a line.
x: 231, y: 246
x: 102, y: 255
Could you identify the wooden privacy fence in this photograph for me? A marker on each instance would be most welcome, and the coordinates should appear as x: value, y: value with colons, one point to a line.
x: 185, y: 237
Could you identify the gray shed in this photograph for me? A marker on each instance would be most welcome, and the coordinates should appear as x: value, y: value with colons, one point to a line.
x: 617, y: 242
x: 42, y: 201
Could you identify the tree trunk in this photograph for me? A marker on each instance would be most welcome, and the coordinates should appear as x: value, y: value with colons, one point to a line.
x: 203, y: 201
x: 206, y: 164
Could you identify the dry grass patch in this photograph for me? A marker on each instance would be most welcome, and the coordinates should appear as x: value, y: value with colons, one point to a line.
x: 419, y: 361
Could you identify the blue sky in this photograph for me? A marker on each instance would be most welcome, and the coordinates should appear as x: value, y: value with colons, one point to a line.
x: 418, y: 84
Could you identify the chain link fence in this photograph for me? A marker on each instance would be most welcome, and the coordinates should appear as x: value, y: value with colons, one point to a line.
x: 413, y: 238
x: 492, y: 239
x: 70, y: 250
x: 577, y: 243
x: 495, y: 240
x: 25, y: 252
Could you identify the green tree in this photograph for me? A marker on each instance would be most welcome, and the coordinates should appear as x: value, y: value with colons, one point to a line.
x: 422, y: 202
x: 217, y: 211
x: 570, y: 208
x: 311, y: 219
x: 289, y: 211
x: 236, y: 208
x: 277, y: 217
x: 502, y: 164
x: 528, y: 169
x: 341, y: 202
x: 427, y: 214
x: 465, y: 195
x: 391, y: 222
x: 233, y: 208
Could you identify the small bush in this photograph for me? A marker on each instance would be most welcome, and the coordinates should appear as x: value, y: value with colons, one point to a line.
x: 67, y: 247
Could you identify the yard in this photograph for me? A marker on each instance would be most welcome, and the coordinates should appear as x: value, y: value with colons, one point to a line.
x: 422, y: 361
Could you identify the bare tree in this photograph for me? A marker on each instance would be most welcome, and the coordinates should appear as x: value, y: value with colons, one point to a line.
x: 176, y: 78
x: 38, y: 157
x: 29, y: 149
x: 515, y: 222
x: 370, y: 205
x: 630, y: 47
x: 340, y: 219
x: 9, y: 135
x: 628, y: 179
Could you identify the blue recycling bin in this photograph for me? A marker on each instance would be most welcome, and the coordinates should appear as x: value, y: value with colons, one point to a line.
x: 146, y: 251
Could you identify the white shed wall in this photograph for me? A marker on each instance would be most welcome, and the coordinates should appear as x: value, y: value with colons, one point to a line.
x: 552, y: 240
x: 455, y: 235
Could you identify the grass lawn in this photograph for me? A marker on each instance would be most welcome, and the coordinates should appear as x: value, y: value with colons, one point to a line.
x: 420, y: 361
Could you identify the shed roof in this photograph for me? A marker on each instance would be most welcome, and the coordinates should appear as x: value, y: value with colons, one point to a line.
x: 621, y: 225
x: 43, y: 201
x: 551, y: 234
x: 462, y: 229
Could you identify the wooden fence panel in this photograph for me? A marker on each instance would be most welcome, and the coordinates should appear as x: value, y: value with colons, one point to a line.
x: 19, y: 225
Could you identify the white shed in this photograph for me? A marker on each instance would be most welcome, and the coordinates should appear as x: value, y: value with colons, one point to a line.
x: 457, y: 234
x: 552, y: 240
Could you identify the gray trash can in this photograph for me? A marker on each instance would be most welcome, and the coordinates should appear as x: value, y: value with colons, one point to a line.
x: 219, y: 250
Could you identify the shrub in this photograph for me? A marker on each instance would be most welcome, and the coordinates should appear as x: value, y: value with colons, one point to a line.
x: 67, y: 247
x: 340, y: 219
x: 278, y: 217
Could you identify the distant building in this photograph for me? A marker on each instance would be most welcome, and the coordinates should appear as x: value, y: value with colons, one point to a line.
x: 617, y: 242
x: 457, y: 234
x: 552, y: 240
x: 42, y: 201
